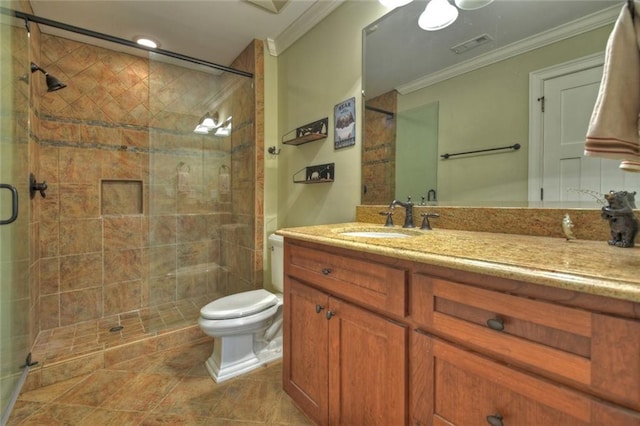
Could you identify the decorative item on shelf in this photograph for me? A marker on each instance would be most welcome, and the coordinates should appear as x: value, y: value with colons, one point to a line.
x: 622, y: 221
x: 308, y: 133
x: 344, y: 119
x: 567, y: 227
x: 321, y: 173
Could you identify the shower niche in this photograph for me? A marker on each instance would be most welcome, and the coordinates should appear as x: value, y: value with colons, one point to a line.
x: 121, y: 197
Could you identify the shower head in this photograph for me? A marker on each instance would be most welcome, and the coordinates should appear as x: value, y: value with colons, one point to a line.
x: 53, y: 83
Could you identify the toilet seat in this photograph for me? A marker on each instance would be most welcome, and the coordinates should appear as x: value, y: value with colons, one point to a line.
x: 239, y: 305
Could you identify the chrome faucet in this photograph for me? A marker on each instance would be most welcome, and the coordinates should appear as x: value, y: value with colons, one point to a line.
x: 408, y: 207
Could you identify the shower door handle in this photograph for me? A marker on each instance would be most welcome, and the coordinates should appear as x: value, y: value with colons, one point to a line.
x: 14, y: 203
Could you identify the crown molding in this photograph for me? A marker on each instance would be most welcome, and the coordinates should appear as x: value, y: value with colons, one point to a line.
x: 310, y: 18
x: 579, y: 26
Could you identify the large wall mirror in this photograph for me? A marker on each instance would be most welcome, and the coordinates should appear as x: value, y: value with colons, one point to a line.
x: 481, y: 84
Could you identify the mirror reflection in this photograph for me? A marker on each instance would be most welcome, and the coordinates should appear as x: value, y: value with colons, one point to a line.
x: 522, y: 73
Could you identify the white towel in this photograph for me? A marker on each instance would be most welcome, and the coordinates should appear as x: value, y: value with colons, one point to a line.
x: 613, y: 130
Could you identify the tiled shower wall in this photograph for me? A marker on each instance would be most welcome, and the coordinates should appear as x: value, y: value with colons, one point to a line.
x: 135, y: 215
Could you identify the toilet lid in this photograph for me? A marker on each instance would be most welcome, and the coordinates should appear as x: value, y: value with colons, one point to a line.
x: 239, y: 305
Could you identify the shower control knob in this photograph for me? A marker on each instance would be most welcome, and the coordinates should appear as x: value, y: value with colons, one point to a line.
x: 34, y: 187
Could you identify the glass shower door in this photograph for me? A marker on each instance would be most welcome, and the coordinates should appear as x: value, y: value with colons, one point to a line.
x: 14, y: 219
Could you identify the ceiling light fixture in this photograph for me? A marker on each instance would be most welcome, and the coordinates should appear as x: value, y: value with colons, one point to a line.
x: 210, y: 121
x: 207, y: 123
x: 437, y: 15
x: 224, y: 130
x: 146, y: 41
x: 472, y: 4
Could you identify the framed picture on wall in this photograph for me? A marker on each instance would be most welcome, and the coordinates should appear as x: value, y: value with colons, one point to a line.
x: 344, y: 118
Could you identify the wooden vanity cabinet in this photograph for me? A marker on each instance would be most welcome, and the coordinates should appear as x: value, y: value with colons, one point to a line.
x: 373, y: 340
x: 343, y: 364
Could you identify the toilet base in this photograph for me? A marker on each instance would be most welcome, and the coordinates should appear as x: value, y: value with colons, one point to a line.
x: 234, y: 355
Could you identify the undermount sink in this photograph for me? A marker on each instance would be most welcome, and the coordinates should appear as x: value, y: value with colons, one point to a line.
x: 378, y: 232
x: 373, y: 234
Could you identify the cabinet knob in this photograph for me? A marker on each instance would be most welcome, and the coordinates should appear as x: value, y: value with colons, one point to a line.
x: 495, y: 324
x: 319, y: 308
x: 330, y: 314
x: 495, y: 420
x: 326, y: 271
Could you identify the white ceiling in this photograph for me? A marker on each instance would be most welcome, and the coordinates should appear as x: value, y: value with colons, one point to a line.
x: 211, y: 30
x: 398, y: 54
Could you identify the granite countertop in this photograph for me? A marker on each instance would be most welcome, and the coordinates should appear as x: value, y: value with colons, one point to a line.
x: 579, y: 265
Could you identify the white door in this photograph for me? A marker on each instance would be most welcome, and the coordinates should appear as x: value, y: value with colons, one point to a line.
x: 566, y: 174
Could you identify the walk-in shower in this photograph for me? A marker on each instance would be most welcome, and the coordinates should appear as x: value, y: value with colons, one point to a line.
x: 144, y: 221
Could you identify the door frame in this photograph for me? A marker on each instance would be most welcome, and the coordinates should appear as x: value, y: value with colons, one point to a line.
x: 537, y: 81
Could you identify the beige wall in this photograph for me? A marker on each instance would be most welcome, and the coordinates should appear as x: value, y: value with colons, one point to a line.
x: 271, y: 138
x: 320, y: 70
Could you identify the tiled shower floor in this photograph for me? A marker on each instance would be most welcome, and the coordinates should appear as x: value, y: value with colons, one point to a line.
x: 63, y: 343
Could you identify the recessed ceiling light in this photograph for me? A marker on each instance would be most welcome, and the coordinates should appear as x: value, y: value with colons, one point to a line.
x: 145, y: 41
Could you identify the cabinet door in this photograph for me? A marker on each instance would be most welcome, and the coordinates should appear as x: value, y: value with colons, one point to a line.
x: 453, y: 386
x: 367, y: 367
x: 305, y: 340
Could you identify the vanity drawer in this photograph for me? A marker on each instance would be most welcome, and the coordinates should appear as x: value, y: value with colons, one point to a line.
x: 594, y: 352
x: 458, y: 387
x: 368, y: 283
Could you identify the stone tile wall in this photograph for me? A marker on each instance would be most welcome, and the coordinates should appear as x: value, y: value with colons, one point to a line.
x: 379, y: 150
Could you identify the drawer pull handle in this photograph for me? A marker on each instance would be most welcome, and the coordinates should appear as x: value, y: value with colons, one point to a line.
x: 326, y: 271
x: 496, y: 324
x: 495, y: 420
x: 330, y: 314
x: 319, y: 308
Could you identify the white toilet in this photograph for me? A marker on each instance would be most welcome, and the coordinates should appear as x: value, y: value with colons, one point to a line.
x: 247, y: 326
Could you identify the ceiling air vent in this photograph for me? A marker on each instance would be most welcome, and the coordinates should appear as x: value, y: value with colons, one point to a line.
x: 472, y: 44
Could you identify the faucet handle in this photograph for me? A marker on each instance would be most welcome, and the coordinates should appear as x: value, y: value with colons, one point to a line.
x: 425, y: 220
x: 389, y: 221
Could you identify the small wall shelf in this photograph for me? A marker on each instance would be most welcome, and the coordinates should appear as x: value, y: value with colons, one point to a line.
x: 322, y: 173
x: 308, y: 133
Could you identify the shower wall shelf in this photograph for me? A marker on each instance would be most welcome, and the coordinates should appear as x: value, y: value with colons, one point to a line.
x: 322, y: 173
x: 308, y: 133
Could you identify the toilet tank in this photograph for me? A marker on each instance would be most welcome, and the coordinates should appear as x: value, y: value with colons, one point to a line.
x: 277, y: 261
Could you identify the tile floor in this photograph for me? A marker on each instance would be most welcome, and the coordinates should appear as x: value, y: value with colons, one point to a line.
x: 71, y: 341
x: 166, y: 388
